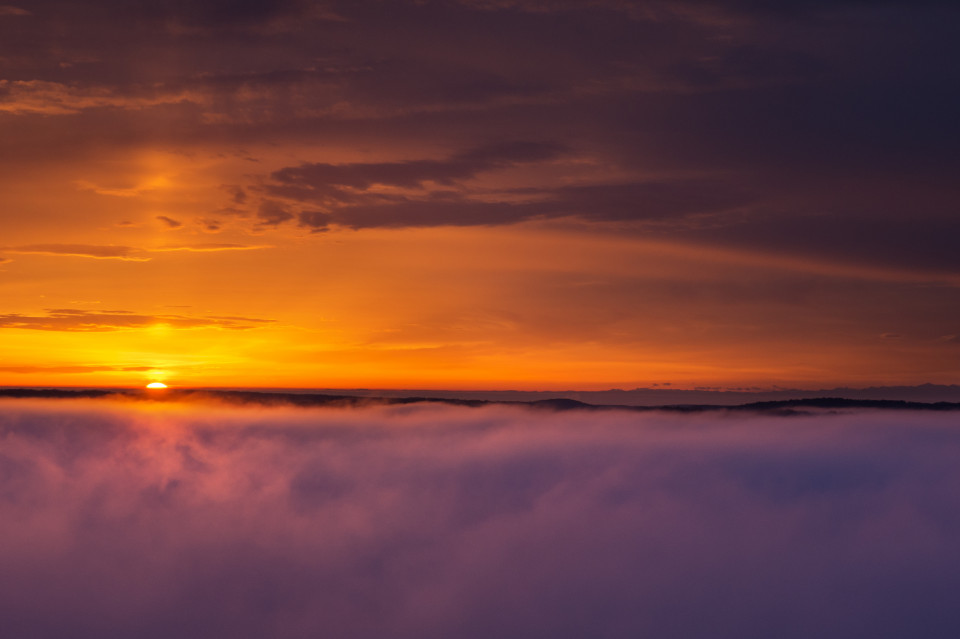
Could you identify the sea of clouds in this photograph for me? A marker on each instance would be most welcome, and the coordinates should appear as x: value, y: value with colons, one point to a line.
x: 160, y: 520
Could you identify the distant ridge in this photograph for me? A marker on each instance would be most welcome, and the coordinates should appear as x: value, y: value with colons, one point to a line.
x: 304, y: 399
x: 927, y: 393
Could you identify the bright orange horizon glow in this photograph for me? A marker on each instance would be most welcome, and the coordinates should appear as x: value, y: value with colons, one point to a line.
x: 522, y: 307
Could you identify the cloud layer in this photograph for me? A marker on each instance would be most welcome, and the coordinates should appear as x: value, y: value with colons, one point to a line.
x: 823, y: 129
x: 159, y: 520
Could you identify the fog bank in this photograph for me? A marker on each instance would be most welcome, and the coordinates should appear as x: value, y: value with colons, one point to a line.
x: 173, y: 520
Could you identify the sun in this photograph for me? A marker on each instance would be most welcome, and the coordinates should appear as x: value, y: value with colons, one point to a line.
x: 156, y: 385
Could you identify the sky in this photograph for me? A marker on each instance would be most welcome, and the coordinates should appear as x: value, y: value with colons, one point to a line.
x: 479, y: 193
x: 162, y: 519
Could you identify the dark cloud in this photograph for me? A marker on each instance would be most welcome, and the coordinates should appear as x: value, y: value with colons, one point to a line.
x: 237, y: 193
x: 348, y: 192
x: 327, y: 180
x: 315, y: 219
x: 598, y: 202
x: 272, y: 212
x: 854, y: 234
x: 76, y: 320
x: 408, y: 212
x: 206, y: 14
x: 227, y: 12
x: 646, y: 200
x: 787, y: 7
x: 794, y: 110
x: 793, y: 8
x: 170, y: 222
x: 431, y: 521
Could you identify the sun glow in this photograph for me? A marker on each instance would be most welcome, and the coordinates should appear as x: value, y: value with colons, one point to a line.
x: 156, y: 385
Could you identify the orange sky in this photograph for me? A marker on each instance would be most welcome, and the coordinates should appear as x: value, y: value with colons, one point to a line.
x: 214, y: 202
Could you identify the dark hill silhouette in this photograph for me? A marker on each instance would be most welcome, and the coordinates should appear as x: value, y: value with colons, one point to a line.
x: 302, y: 399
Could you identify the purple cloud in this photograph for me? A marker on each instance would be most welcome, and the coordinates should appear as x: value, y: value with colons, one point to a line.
x: 158, y: 520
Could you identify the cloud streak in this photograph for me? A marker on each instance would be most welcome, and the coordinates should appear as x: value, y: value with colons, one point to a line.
x: 38, y: 97
x: 77, y: 320
x: 81, y: 250
x: 434, y: 521
x: 75, y: 368
x: 431, y: 192
x: 209, y: 247
x: 128, y: 253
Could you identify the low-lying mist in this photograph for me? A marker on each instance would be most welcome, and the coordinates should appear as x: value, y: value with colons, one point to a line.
x: 159, y: 520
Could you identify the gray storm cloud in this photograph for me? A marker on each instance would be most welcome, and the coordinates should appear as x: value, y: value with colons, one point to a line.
x: 163, y: 520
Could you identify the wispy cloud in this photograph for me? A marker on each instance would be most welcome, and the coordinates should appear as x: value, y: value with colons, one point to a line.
x: 129, y: 253
x: 103, y: 252
x: 77, y: 320
x: 43, y: 97
x: 73, y: 368
x: 208, y: 247
x: 7, y: 10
